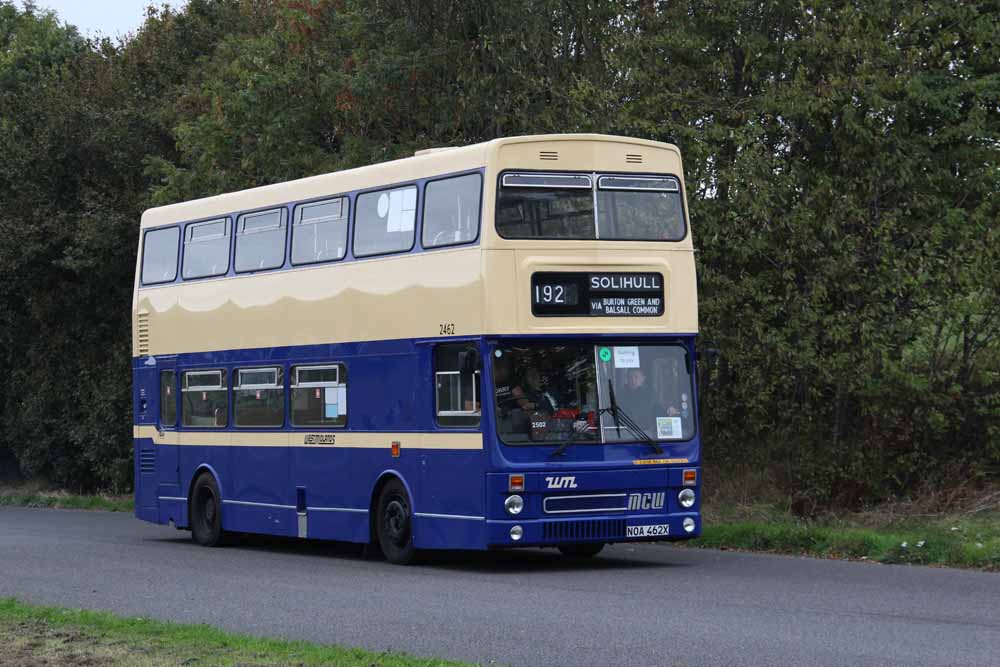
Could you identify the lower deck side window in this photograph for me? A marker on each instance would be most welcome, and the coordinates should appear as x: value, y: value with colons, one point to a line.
x: 205, y: 399
x: 259, y: 397
x: 319, y: 395
x: 168, y: 399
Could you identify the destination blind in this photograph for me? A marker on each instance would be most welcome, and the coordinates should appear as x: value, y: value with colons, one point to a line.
x: 615, y: 294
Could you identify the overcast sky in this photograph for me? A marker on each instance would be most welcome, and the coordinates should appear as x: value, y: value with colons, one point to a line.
x: 110, y: 18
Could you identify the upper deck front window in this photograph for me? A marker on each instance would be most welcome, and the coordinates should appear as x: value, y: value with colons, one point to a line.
x: 562, y: 206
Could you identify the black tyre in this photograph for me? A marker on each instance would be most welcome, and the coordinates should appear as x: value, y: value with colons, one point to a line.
x: 206, y: 512
x: 581, y: 551
x: 394, y: 524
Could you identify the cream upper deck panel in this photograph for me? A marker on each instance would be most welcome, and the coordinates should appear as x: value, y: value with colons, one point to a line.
x: 479, y: 289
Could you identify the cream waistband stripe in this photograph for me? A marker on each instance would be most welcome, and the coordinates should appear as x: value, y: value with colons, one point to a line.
x: 345, y: 439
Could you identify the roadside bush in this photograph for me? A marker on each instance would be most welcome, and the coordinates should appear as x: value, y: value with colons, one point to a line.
x: 841, y: 169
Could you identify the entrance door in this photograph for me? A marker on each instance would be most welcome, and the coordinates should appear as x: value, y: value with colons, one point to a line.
x: 166, y: 424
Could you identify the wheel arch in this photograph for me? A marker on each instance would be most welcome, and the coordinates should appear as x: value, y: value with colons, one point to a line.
x: 202, y: 468
x: 384, y: 478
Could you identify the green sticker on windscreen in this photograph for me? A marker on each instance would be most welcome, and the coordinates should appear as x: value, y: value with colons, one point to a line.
x: 605, y: 354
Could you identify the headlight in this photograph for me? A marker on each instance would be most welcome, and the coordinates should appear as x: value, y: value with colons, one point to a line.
x: 689, y: 525
x: 686, y: 498
x: 513, y: 504
x: 516, y: 532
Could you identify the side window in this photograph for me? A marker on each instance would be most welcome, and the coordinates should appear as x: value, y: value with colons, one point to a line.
x: 260, y: 240
x: 319, y: 233
x: 451, y: 211
x: 204, y: 399
x: 159, y: 256
x: 259, y: 397
x: 206, y: 249
x: 168, y: 399
x: 456, y: 380
x: 319, y: 395
x: 384, y: 221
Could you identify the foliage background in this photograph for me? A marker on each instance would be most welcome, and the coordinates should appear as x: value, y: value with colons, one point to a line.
x: 842, y: 162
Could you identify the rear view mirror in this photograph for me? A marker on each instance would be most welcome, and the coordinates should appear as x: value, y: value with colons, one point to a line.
x: 469, y: 361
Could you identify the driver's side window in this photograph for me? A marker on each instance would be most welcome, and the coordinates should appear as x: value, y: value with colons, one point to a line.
x: 451, y: 211
x: 457, y: 385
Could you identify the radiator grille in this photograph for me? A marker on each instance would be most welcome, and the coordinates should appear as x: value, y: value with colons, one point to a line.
x: 548, y: 155
x: 572, y: 531
x: 142, y: 331
x: 633, y: 158
x: 147, y: 461
x: 596, y: 502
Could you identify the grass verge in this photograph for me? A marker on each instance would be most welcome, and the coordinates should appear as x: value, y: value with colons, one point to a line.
x: 34, y: 635
x: 958, y: 542
x: 955, y: 525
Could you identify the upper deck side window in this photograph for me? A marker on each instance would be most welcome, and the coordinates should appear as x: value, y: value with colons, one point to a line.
x: 260, y: 240
x: 384, y: 221
x: 206, y: 249
x: 159, y: 255
x: 562, y: 206
x: 451, y: 211
x: 319, y: 231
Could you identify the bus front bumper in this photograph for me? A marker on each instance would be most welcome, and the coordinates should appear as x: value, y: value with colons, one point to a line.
x: 645, y: 527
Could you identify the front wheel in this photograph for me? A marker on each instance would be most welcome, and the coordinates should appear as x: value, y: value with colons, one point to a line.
x: 394, y: 527
x: 581, y: 551
x: 206, y: 512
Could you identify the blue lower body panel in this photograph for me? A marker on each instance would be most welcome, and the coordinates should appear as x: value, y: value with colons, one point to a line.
x: 321, y: 493
x: 330, y: 492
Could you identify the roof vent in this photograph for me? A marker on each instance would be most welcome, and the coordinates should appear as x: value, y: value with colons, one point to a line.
x: 633, y: 158
x: 428, y: 151
x: 548, y: 155
x: 142, y: 331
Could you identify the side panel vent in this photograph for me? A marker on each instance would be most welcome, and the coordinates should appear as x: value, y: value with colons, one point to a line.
x: 548, y: 155
x: 633, y: 158
x: 575, y: 531
x: 142, y: 331
x: 147, y: 461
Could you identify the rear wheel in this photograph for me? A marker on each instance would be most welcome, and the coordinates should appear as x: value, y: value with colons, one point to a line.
x: 394, y: 523
x: 206, y: 512
x: 581, y: 551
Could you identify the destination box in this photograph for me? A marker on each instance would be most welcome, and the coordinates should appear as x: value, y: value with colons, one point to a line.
x: 617, y: 294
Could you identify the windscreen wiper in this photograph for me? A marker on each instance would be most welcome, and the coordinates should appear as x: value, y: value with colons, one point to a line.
x: 620, y: 417
x: 563, y: 446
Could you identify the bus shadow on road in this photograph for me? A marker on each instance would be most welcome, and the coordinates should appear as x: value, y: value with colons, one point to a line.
x: 519, y: 561
x: 499, y: 561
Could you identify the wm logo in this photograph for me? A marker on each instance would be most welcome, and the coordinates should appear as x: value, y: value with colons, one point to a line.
x: 567, y: 482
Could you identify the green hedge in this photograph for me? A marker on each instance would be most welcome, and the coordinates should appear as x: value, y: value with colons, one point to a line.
x: 841, y: 168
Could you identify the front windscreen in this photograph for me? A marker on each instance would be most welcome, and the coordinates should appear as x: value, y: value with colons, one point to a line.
x: 562, y: 206
x: 585, y: 393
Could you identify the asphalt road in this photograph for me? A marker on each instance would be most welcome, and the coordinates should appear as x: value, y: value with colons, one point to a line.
x: 633, y: 605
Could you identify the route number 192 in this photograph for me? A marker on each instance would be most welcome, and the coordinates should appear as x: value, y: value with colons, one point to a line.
x: 550, y: 294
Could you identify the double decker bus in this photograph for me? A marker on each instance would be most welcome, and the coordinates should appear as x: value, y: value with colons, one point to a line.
x: 478, y: 347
